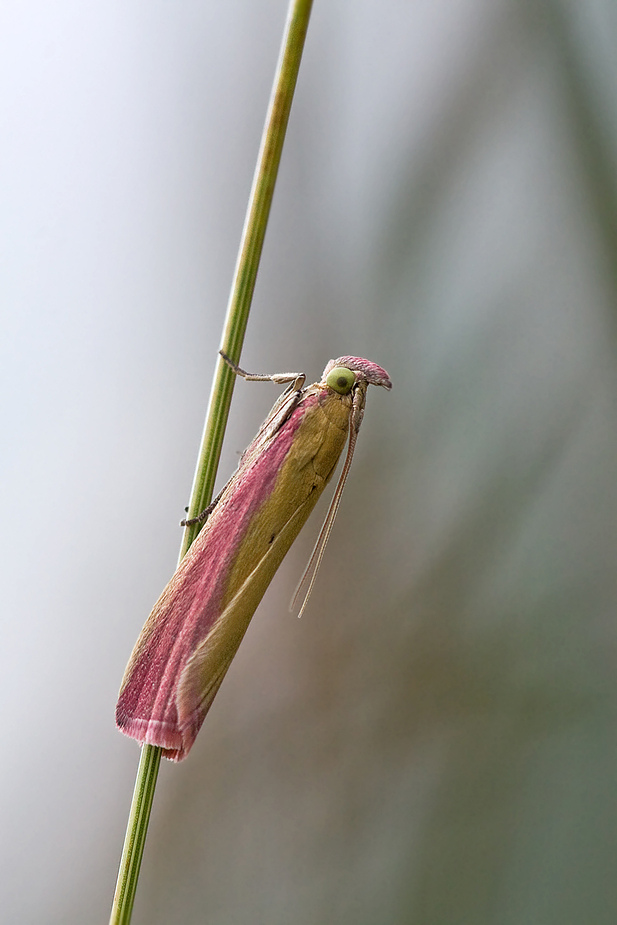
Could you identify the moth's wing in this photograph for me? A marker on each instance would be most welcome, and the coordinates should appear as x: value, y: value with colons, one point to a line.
x: 205, y: 670
x: 279, y: 413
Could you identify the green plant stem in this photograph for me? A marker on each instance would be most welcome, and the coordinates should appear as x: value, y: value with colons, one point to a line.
x: 249, y: 255
x: 137, y: 827
x: 234, y: 330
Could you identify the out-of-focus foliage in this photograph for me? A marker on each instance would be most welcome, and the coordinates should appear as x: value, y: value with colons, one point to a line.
x: 434, y: 742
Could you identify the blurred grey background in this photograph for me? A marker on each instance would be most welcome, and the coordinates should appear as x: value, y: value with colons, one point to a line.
x: 434, y: 742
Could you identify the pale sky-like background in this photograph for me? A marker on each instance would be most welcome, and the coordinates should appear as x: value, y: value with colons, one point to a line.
x: 435, y: 741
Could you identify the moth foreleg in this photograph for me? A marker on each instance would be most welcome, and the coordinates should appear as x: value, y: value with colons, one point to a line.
x: 298, y: 379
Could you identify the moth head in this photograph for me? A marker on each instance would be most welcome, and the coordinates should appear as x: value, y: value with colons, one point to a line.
x: 343, y: 374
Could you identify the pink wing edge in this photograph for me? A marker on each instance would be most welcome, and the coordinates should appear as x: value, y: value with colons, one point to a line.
x: 147, y: 706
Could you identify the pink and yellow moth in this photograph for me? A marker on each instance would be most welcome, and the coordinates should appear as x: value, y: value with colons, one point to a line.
x: 197, y: 624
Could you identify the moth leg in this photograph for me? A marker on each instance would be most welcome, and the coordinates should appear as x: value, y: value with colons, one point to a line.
x: 205, y: 513
x: 298, y: 379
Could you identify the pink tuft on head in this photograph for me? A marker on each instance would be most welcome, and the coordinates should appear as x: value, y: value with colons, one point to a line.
x: 373, y: 373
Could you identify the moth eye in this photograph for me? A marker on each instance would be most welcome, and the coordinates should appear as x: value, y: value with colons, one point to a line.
x: 341, y: 380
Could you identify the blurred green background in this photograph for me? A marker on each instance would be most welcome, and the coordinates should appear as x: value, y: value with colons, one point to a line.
x: 434, y: 742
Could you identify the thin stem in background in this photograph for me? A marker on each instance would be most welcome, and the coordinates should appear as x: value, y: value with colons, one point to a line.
x: 234, y: 330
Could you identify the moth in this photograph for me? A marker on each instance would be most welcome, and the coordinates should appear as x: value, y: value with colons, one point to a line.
x: 197, y: 624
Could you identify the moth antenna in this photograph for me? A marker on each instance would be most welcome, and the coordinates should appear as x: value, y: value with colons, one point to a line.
x: 324, y: 534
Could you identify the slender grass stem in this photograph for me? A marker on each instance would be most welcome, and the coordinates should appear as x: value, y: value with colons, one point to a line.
x: 234, y: 330
x: 136, y: 830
